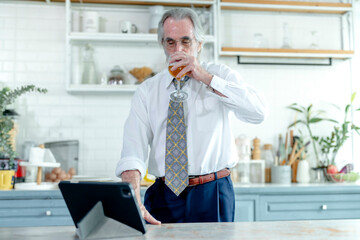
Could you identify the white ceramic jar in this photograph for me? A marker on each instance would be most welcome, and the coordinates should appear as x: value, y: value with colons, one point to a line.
x: 303, y: 172
x: 90, y: 22
x: 155, y: 17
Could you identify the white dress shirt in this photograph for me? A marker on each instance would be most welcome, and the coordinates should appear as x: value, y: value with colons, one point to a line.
x: 210, y: 142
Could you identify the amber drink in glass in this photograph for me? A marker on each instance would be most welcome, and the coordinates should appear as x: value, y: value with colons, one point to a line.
x: 178, y: 95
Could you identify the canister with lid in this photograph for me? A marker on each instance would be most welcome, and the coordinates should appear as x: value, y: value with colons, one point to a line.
x: 117, y: 76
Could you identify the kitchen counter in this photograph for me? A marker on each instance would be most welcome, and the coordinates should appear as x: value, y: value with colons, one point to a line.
x: 321, y: 229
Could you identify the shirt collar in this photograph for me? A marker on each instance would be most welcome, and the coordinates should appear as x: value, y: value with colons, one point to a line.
x: 169, y: 79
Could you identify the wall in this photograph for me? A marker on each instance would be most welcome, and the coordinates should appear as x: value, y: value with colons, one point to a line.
x: 32, y: 45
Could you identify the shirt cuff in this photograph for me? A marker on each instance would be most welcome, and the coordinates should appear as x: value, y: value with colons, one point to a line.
x: 218, y: 84
x: 130, y: 164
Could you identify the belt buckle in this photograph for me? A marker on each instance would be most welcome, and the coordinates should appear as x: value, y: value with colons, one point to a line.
x: 192, y: 177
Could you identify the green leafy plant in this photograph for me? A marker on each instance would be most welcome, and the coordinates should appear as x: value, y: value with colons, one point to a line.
x: 330, y: 145
x: 7, y: 97
x: 307, y: 117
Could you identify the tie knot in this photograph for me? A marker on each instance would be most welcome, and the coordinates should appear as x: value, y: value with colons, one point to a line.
x: 182, y: 82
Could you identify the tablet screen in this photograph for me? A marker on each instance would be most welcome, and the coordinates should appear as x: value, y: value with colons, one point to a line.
x: 118, y: 201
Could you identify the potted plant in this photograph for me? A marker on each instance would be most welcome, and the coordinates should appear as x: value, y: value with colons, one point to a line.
x: 308, y: 117
x: 328, y: 145
x: 7, y: 97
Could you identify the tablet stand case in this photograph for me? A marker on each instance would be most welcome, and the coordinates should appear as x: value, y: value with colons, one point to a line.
x: 96, y: 225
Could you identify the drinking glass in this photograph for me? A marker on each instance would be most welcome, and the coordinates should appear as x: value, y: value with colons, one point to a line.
x: 314, y: 40
x: 178, y: 95
x: 286, y: 36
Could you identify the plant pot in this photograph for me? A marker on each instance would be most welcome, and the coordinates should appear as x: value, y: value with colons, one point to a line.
x: 7, y: 178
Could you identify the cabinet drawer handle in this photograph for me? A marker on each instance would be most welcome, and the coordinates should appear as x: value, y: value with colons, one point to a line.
x: 324, y: 207
x: 48, y: 213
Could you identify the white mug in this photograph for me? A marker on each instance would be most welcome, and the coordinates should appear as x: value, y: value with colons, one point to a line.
x: 127, y: 27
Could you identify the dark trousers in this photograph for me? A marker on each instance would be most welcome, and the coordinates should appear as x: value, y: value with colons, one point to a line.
x: 210, y: 202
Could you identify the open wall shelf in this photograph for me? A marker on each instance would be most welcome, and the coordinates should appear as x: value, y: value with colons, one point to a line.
x: 286, y: 6
x: 279, y: 52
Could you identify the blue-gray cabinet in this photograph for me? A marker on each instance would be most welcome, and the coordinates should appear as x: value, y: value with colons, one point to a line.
x: 245, y: 208
x: 269, y: 202
x: 306, y: 207
x: 263, y: 202
x: 33, y: 208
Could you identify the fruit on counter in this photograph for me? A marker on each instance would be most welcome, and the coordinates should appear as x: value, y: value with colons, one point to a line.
x: 331, y: 169
x: 347, y: 168
x: 56, y: 170
x: 347, y: 177
x: 336, y: 177
x: 351, y: 177
x: 58, y: 174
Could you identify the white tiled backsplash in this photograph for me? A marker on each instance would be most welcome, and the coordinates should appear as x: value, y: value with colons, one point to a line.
x: 32, y: 51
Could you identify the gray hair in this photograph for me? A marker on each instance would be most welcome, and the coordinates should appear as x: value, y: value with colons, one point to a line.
x: 179, y: 14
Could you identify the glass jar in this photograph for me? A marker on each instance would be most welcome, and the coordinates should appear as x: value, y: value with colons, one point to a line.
x: 269, y: 161
x: 117, y: 76
x: 89, y: 74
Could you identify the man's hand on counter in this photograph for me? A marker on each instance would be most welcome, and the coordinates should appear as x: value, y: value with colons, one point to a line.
x: 147, y: 216
x: 133, y: 177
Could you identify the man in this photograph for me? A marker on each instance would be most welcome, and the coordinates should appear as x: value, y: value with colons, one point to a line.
x: 202, y: 190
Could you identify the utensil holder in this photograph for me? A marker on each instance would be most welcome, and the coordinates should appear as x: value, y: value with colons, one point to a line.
x: 281, y: 174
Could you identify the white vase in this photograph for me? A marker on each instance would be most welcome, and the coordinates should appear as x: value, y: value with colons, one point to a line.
x: 303, y: 172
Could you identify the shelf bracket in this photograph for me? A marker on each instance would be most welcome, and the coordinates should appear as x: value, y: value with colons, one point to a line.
x: 328, y: 63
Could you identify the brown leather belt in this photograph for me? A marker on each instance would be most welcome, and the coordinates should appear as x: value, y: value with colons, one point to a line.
x: 193, y: 181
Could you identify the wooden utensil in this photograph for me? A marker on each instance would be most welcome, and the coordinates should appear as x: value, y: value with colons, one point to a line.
x: 294, y: 170
x: 292, y: 160
x: 292, y: 153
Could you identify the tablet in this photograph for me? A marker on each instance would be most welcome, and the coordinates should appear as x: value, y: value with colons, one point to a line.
x: 118, y: 200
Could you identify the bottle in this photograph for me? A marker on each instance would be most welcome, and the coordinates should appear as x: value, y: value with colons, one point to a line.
x: 314, y: 40
x: 244, y: 148
x: 269, y: 161
x: 286, y: 36
x: 243, y: 167
x: 89, y: 75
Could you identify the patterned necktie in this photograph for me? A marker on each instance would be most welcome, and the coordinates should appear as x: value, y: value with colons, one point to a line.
x: 176, y: 159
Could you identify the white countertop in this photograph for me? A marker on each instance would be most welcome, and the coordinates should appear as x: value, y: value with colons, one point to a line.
x: 284, y: 230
